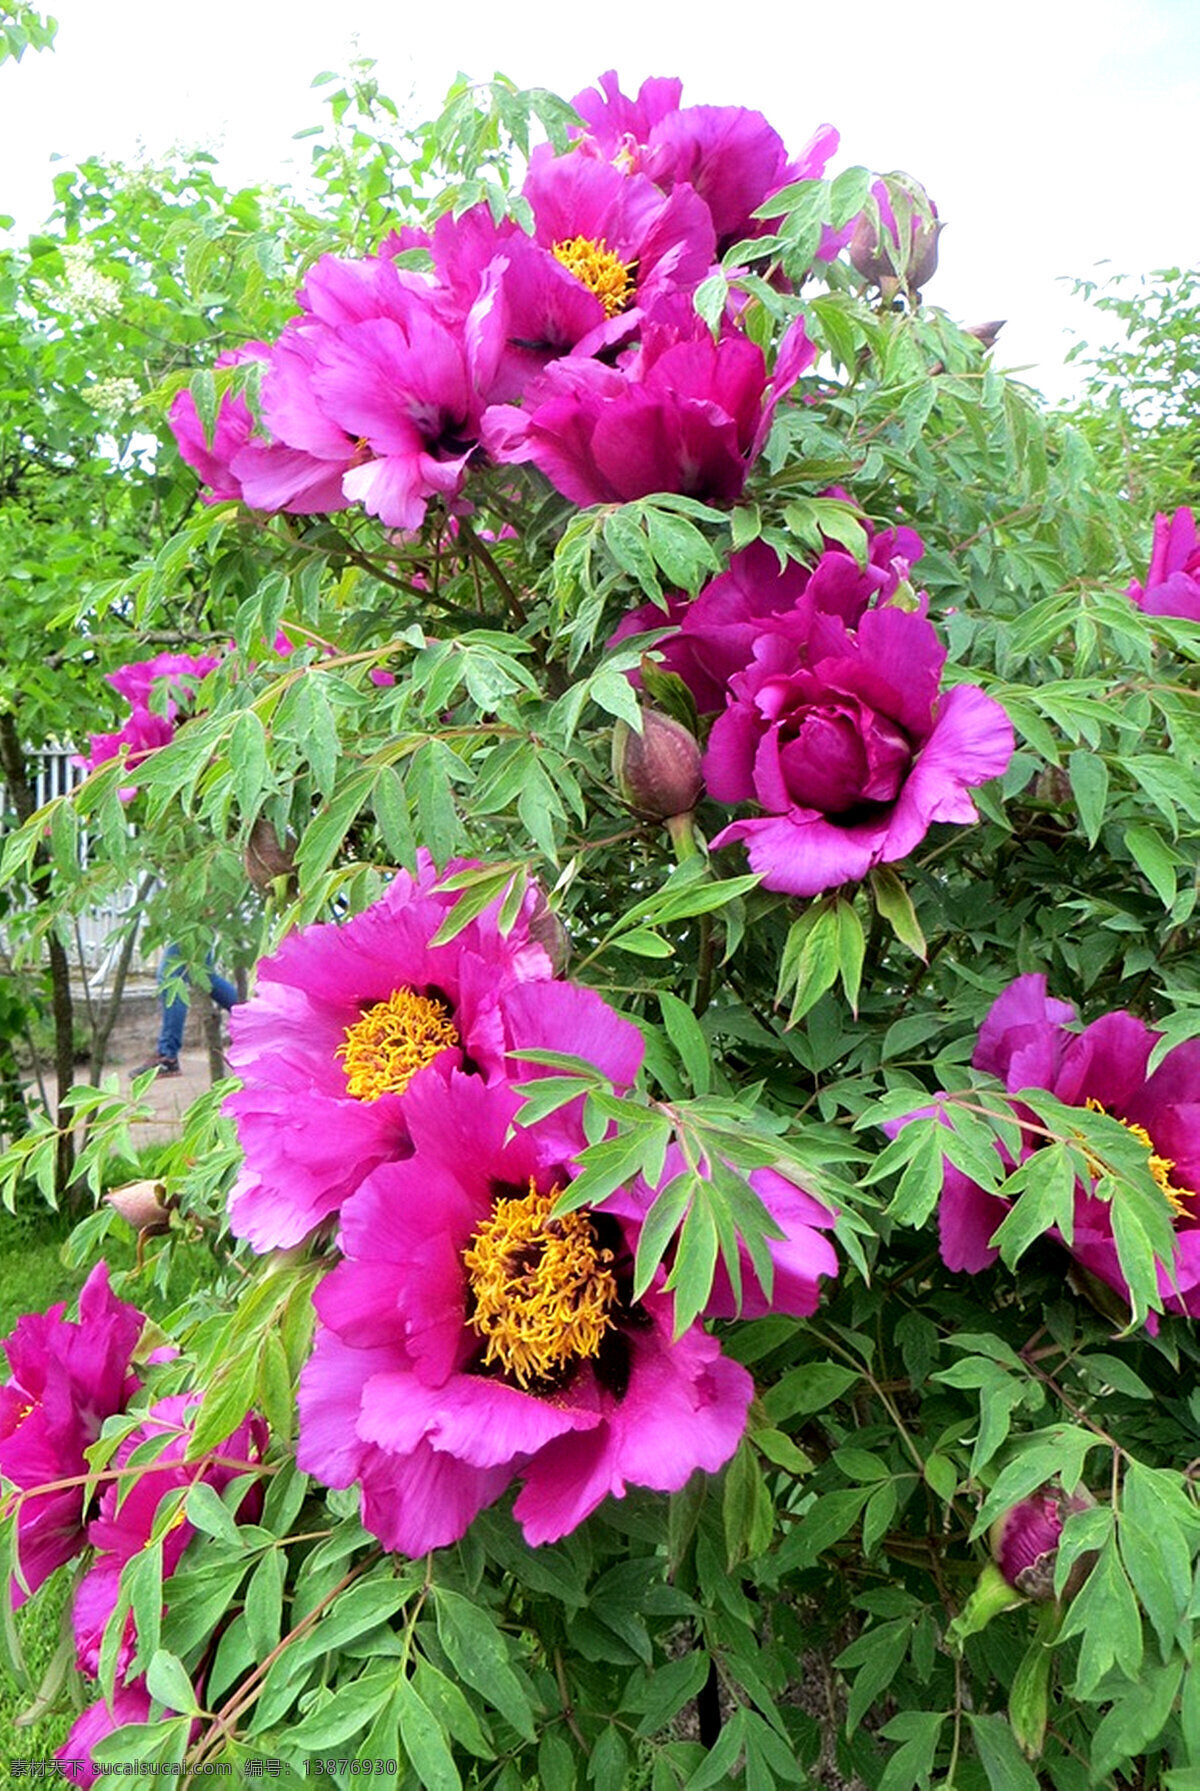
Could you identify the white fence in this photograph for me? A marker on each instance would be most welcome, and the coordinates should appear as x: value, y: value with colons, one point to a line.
x: 97, y: 933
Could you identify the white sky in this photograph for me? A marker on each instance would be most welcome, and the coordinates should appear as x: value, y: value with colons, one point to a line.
x: 1056, y: 136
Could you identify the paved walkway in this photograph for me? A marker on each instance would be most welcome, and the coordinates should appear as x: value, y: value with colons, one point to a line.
x: 171, y: 1096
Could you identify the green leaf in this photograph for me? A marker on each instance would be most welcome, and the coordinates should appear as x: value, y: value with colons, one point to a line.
x: 477, y: 1653
x: 881, y: 1649
x: 168, y: 1680
x: 1155, y: 859
x: 1106, y: 1618
x: 812, y: 958
x: 852, y: 947
x: 918, y: 1732
x: 660, y: 1225
x: 808, y: 1389
x: 747, y: 1510
x: 1006, y: 1767
x: 1089, y: 781
x: 264, y: 1603
x: 684, y: 1032
x: 895, y: 905
x: 671, y: 1686
x: 423, y: 1741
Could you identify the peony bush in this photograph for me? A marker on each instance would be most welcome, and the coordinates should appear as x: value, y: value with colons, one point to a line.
x: 712, y: 1131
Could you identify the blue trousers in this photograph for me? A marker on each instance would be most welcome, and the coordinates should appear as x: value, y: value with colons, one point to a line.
x: 172, y: 993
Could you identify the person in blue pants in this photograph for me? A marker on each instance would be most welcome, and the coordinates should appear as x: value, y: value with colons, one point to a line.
x: 173, y: 999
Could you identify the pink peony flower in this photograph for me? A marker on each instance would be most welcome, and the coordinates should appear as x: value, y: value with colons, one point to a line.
x: 732, y: 157
x: 179, y: 671
x: 65, y: 1379
x: 1027, y: 1042
x: 1173, y: 581
x: 684, y: 414
x: 128, y: 1507
x: 234, y: 427
x: 468, y: 1340
x: 842, y: 737
x: 129, y: 1704
x: 716, y: 631
x: 799, y: 1258
x: 345, y: 1018
x: 147, y: 729
x: 142, y: 734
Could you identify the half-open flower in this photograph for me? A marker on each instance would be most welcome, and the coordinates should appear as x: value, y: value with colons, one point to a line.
x: 684, y: 413
x: 470, y: 1338
x: 844, y: 739
x: 129, y: 1506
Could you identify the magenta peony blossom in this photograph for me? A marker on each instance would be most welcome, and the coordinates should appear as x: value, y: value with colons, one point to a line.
x: 468, y: 1340
x: 716, y: 631
x: 842, y: 737
x: 147, y: 728
x: 1027, y: 1042
x: 345, y: 1017
x: 179, y: 671
x: 684, y: 414
x: 142, y: 734
x: 65, y: 1379
x: 128, y: 1507
x: 1173, y: 581
x: 732, y: 157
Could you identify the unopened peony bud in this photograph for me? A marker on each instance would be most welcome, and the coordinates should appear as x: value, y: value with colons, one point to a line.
x: 267, y: 856
x: 902, y: 249
x: 658, y: 770
x: 985, y: 333
x: 1025, y: 1542
x: 141, y: 1204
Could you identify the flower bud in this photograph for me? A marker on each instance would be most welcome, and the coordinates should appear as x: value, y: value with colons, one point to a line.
x: 658, y: 770
x: 1024, y: 1542
x: 900, y: 247
x: 267, y: 856
x: 140, y: 1204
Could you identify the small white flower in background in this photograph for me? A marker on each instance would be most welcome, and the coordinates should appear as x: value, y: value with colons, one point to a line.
x: 114, y: 399
x: 92, y: 293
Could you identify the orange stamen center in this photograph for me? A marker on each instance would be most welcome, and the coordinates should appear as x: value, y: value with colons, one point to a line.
x: 543, y: 1289
x: 394, y: 1039
x: 599, y: 269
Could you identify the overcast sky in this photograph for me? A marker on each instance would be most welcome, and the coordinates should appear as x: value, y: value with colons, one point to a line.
x: 1057, y: 136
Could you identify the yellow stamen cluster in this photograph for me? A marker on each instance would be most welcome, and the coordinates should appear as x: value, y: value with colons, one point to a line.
x: 1160, y: 1167
x: 394, y: 1039
x: 600, y: 270
x: 543, y: 1289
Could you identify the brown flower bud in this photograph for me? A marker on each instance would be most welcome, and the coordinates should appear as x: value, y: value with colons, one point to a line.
x: 895, y: 241
x: 267, y: 856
